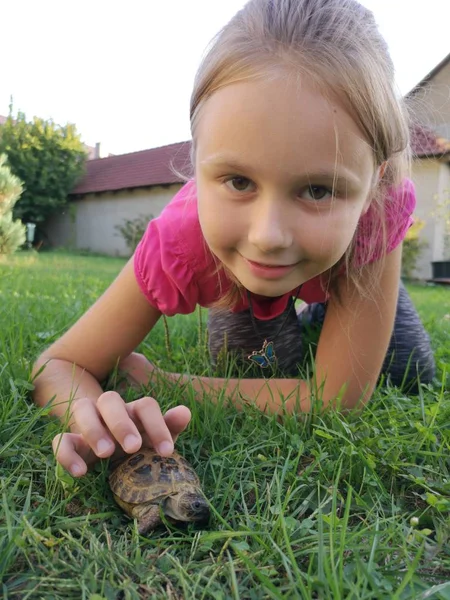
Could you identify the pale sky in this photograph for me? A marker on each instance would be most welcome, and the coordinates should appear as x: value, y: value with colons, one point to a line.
x: 123, y: 71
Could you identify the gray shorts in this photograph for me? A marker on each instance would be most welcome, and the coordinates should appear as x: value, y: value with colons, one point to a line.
x: 232, y: 339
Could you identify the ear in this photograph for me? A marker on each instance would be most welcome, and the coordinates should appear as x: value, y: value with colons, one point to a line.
x: 381, y: 170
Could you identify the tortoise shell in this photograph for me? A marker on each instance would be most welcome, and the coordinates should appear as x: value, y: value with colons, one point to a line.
x: 147, y: 476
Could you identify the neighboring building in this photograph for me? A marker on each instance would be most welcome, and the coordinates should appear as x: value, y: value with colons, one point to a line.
x: 126, y: 186
x: 432, y: 100
x: 431, y: 169
x: 115, y: 189
x: 96, y: 152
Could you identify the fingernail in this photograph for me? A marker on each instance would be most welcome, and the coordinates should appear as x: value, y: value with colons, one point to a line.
x: 76, y: 470
x: 103, y: 446
x: 130, y: 441
x: 165, y: 448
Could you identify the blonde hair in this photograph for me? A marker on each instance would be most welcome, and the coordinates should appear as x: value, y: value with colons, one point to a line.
x: 337, y: 44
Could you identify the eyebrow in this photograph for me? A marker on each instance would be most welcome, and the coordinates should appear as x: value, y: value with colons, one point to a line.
x: 344, y: 175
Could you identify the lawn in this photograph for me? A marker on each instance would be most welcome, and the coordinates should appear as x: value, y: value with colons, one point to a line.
x: 322, y: 506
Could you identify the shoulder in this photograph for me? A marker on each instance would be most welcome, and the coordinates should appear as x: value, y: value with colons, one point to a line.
x: 400, y: 202
x: 179, y: 217
x: 395, y: 219
x: 172, y: 257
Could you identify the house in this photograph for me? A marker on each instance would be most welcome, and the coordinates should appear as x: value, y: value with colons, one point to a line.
x: 128, y: 186
x: 117, y: 188
x: 431, y: 168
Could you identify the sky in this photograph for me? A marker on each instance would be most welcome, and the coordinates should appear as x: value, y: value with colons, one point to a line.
x: 123, y: 71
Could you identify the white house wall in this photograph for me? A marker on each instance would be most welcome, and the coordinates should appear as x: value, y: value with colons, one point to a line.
x: 90, y: 222
x: 443, y: 197
x: 431, y: 179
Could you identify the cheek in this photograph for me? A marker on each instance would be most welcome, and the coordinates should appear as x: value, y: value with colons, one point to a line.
x: 219, y: 223
x: 327, y: 236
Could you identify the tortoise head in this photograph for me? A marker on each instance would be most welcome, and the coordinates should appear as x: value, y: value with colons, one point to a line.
x: 188, y: 505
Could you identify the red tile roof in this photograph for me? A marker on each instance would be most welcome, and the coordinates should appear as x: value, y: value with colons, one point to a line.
x: 152, y: 167
x: 425, y: 143
x: 137, y: 169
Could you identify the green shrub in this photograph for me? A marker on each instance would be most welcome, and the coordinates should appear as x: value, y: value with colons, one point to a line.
x: 412, y: 248
x: 12, y: 233
x: 132, y: 230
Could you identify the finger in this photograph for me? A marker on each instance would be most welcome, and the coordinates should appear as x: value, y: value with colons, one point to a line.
x: 147, y: 411
x: 71, y: 451
x: 89, y: 424
x: 177, y: 419
x: 116, y: 417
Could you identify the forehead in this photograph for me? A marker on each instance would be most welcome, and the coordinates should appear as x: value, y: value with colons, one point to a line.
x: 280, y: 126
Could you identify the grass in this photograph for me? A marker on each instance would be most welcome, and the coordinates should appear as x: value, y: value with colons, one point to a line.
x: 325, y: 506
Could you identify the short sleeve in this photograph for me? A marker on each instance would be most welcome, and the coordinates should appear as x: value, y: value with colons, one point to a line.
x: 161, y: 267
x: 400, y: 203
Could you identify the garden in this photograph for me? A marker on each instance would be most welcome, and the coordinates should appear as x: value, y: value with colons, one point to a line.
x: 312, y: 506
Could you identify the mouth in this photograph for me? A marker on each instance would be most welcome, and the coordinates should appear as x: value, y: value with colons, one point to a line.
x: 269, y: 271
x: 203, y: 515
x: 270, y: 266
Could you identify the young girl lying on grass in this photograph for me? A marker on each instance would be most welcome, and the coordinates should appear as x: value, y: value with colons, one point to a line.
x: 299, y: 189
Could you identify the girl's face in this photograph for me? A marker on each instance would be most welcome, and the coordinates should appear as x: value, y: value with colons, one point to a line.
x: 266, y: 158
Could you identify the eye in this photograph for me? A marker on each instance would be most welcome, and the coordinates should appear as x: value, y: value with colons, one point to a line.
x: 318, y: 192
x: 239, y: 183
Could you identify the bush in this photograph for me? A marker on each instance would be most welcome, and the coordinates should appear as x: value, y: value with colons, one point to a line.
x: 12, y: 233
x: 442, y: 214
x: 133, y: 229
x: 47, y: 158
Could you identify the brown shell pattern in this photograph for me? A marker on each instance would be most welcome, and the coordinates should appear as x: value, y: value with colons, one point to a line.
x: 146, y: 475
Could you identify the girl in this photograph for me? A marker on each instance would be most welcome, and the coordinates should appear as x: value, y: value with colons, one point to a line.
x: 299, y: 189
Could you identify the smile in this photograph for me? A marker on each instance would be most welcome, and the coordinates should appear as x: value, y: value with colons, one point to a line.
x: 269, y: 271
x: 267, y: 266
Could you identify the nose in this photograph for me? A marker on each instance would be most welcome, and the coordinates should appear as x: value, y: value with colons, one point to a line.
x: 270, y: 229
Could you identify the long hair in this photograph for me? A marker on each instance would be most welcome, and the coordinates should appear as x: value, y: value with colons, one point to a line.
x: 337, y: 44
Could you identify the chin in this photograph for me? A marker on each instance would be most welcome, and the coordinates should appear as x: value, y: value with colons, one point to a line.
x: 269, y: 289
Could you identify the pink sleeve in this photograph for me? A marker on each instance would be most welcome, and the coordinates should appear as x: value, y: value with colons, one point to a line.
x: 162, y: 269
x: 400, y: 204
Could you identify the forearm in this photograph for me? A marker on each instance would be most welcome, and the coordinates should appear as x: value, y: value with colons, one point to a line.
x: 269, y: 395
x: 63, y: 383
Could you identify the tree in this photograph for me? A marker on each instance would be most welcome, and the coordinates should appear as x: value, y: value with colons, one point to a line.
x: 48, y: 158
x: 12, y: 233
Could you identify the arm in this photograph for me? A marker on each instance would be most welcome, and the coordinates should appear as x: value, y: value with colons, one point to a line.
x: 350, y: 353
x: 70, y: 370
x: 90, y: 349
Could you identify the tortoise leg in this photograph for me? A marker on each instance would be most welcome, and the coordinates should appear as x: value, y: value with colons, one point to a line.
x: 148, y: 517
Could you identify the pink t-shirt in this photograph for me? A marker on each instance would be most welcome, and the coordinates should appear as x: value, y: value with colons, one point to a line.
x: 176, y: 270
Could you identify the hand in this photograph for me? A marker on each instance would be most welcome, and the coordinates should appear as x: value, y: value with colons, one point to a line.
x: 137, y: 371
x: 111, y: 428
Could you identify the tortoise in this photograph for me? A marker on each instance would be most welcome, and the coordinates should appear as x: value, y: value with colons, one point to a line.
x: 146, y: 481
